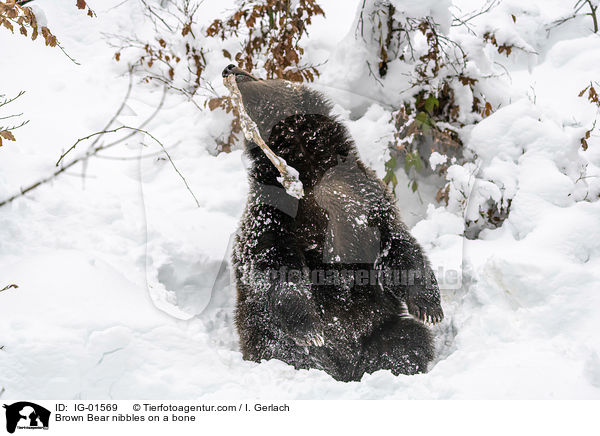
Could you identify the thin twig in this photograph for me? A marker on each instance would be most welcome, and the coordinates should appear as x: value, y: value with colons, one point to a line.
x: 115, y: 7
x: 135, y: 129
x: 90, y: 152
x: 10, y: 100
x: 142, y: 156
x: 578, y: 6
x: 361, y: 20
x: 115, y: 116
x: 175, y: 168
x: 561, y: 21
x: 14, y: 127
x: 67, y: 54
x: 11, y: 116
x: 93, y: 152
x: 9, y: 287
x: 144, y: 124
x: 38, y: 183
x: 470, y: 16
x: 72, y: 147
x: 373, y: 74
x: 156, y: 15
x: 593, y: 15
x: 121, y: 107
x: 189, y: 95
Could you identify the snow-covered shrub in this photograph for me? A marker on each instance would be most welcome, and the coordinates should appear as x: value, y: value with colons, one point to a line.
x: 443, y: 71
x: 411, y: 42
x: 501, y: 177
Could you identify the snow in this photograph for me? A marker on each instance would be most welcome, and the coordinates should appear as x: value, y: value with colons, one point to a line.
x: 123, y: 282
x: 436, y: 159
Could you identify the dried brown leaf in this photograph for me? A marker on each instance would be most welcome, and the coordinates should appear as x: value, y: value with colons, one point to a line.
x: 583, y: 91
x: 7, y: 135
x: 214, y: 103
x: 7, y: 24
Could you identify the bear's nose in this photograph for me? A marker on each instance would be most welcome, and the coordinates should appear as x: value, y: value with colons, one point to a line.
x: 229, y: 70
x: 240, y: 75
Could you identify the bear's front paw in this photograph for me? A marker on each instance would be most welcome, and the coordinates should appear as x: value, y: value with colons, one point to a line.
x: 311, y: 339
x: 424, y: 309
x: 306, y: 329
x: 304, y: 326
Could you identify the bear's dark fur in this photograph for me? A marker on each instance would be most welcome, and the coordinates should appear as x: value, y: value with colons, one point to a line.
x: 329, y: 281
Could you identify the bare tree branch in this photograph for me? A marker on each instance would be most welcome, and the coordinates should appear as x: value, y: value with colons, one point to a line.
x: 471, y: 15
x: 15, y: 127
x: 11, y: 116
x: 578, y: 6
x: 94, y: 149
x: 67, y: 54
x: 9, y: 287
x: 156, y: 15
x: 10, y: 100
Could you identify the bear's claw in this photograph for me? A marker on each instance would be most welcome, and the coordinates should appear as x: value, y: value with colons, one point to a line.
x: 429, y: 313
x: 312, y: 339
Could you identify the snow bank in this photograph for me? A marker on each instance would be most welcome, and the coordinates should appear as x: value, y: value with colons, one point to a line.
x: 123, y: 283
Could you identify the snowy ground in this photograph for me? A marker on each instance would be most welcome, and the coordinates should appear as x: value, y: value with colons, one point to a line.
x: 121, y: 288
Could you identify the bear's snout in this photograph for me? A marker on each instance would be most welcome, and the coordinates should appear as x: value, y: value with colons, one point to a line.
x: 229, y: 70
x: 238, y: 72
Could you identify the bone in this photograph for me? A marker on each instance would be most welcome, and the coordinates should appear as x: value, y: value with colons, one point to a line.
x: 289, y: 175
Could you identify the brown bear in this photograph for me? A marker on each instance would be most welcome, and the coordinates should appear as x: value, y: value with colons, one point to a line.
x: 332, y: 280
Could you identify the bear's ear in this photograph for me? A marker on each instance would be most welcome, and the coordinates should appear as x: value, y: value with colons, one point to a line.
x: 5, y: 406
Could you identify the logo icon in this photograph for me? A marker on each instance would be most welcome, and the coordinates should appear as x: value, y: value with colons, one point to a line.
x: 26, y: 415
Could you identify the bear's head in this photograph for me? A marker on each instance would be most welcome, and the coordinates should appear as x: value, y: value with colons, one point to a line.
x: 269, y: 102
x: 296, y: 123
